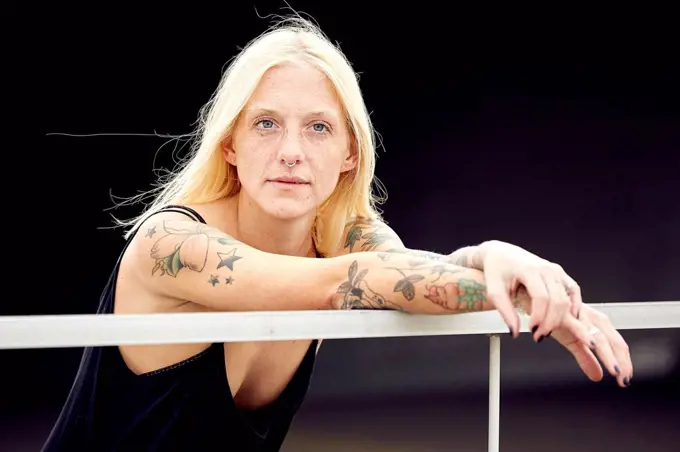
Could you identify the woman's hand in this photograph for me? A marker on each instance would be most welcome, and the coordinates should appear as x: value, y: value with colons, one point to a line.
x: 607, y: 343
x: 554, y: 294
x: 592, y: 331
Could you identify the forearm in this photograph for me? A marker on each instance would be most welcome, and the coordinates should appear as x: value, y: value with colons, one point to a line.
x: 409, y: 281
x: 468, y: 257
x: 368, y: 235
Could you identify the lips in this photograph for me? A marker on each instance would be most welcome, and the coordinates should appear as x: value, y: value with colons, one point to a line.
x: 290, y: 180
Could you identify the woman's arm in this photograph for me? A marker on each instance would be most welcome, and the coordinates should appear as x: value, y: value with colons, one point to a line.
x: 191, y: 261
x: 373, y: 235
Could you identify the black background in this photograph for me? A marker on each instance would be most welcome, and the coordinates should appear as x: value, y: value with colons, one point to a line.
x: 555, y: 129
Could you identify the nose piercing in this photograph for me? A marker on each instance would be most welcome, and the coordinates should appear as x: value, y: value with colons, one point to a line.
x: 290, y: 165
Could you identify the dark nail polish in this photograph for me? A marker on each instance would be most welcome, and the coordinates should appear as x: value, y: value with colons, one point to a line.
x: 626, y: 381
x: 548, y: 335
x: 617, y: 370
x: 592, y: 344
x: 512, y: 333
x: 533, y: 330
x: 540, y: 339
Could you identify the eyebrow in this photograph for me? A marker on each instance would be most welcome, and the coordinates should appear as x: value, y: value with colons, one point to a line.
x: 268, y: 111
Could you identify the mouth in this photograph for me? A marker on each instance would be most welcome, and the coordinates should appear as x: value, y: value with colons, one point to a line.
x: 289, y: 181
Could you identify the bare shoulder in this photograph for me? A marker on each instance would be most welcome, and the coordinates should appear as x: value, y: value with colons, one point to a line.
x: 364, y: 234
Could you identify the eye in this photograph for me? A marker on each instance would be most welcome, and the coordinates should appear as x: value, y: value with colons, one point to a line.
x: 265, y: 124
x: 320, y: 127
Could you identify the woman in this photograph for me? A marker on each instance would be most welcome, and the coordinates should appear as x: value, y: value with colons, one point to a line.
x: 281, y: 177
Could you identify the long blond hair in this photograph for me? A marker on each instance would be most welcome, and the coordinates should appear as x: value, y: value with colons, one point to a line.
x: 205, y: 176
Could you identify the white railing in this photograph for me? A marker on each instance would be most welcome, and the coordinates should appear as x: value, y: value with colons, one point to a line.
x: 59, y: 331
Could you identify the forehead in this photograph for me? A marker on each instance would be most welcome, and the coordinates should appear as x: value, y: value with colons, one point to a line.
x: 295, y: 88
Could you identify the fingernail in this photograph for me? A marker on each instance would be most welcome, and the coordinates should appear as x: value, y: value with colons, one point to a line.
x: 617, y: 370
x: 512, y: 333
x: 533, y: 330
x: 592, y: 344
x: 626, y: 382
x: 540, y: 339
x: 548, y: 335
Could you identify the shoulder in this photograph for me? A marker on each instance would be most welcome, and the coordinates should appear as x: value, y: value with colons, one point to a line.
x: 169, y: 226
x: 365, y: 234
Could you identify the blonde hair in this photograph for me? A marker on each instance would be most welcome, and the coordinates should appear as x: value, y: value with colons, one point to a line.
x: 205, y: 176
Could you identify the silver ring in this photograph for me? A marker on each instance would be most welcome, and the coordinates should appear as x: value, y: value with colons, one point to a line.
x: 593, y: 331
x: 290, y: 165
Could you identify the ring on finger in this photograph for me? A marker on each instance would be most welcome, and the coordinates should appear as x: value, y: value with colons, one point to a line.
x: 593, y: 331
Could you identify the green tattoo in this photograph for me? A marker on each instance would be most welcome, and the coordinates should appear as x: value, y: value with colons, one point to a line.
x: 465, y: 295
x: 373, y: 234
x: 188, y: 247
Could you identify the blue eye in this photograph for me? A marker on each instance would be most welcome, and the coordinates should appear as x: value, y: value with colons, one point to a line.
x: 266, y: 123
x: 319, y: 127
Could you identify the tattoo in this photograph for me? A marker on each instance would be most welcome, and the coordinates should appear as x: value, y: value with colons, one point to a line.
x: 466, y: 295
x: 373, y: 234
x: 357, y: 294
x: 418, y: 254
x: 228, y: 259
x: 229, y: 280
x: 150, y: 232
x: 461, y: 261
x: 188, y: 247
x: 384, y: 256
x: 422, y: 269
x: 406, y: 285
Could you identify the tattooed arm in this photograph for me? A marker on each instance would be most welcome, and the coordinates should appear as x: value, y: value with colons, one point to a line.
x: 374, y: 235
x: 186, y: 260
x: 191, y: 261
x: 453, y: 283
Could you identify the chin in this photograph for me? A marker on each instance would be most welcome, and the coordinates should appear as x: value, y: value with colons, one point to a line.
x: 288, y: 209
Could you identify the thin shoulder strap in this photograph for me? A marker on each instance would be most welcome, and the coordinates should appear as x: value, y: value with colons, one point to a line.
x: 188, y: 211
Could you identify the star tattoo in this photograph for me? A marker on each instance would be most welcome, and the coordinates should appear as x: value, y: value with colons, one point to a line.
x: 228, y: 259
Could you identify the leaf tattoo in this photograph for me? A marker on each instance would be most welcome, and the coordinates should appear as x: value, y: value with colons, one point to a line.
x: 406, y: 286
x: 357, y: 294
x: 353, y: 236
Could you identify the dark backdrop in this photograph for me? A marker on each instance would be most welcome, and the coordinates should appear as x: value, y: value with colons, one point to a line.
x: 558, y: 131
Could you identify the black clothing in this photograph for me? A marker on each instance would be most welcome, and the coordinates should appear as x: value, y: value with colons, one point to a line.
x: 184, y: 407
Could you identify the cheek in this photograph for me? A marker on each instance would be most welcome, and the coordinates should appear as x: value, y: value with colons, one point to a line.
x: 326, y: 175
x: 252, y: 159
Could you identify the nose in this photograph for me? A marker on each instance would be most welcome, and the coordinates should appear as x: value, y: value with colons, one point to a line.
x: 290, y: 153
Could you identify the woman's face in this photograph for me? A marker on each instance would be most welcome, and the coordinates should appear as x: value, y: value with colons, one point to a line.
x: 291, y: 142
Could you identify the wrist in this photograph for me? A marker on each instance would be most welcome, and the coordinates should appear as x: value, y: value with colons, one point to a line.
x: 468, y: 257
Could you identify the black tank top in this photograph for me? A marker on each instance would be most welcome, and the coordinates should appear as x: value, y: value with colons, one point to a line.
x: 184, y: 407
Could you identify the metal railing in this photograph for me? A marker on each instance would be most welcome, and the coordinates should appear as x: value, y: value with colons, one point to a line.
x: 59, y: 331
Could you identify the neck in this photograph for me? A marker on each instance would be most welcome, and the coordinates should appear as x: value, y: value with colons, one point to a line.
x: 273, y: 235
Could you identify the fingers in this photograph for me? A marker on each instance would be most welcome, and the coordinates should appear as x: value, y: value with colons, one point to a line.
x: 619, y: 349
x: 594, y: 332
x: 497, y: 294
x: 535, y: 287
x: 574, y: 292
x: 554, y: 296
x: 579, y: 331
x: 558, y: 307
x: 586, y: 360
